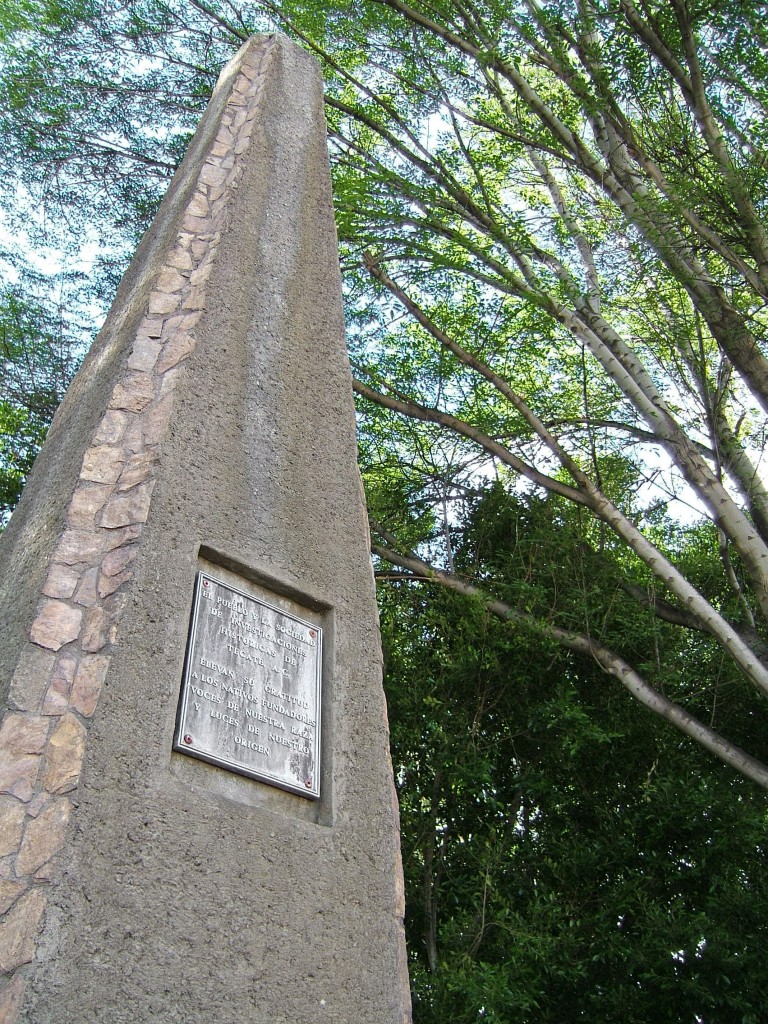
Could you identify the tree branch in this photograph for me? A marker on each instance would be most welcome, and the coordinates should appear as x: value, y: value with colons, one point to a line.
x: 607, y: 659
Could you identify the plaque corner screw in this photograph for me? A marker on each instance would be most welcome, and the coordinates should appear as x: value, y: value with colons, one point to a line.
x: 308, y: 783
x: 187, y: 738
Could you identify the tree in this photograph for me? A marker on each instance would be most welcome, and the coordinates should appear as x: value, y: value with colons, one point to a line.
x: 563, y: 861
x: 555, y: 234
x: 40, y: 349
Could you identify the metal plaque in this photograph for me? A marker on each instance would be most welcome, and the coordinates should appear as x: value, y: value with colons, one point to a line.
x: 250, y: 697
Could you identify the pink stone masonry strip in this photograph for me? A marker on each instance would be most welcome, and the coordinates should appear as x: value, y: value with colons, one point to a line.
x: 56, y: 686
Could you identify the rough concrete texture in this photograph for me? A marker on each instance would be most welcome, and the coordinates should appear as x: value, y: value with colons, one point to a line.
x: 210, y: 427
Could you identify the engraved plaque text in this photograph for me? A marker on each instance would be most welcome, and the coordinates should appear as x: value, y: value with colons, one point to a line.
x: 250, y: 697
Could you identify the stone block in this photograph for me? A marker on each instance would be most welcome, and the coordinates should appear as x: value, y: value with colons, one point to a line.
x: 157, y: 419
x: 180, y: 258
x: 19, y: 930
x: 102, y: 463
x: 30, y: 680
x: 109, y: 584
x: 176, y: 349
x: 12, y: 814
x: 86, y: 502
x: 64, y: 755
x: 86, y: 594
x: 61, y: 581
x: 43, y: 836
x: 144, y: 354
x: 78, y: 546
x: 171, y: 280
x: 199, y: 206
x: 163, y: 302
x: 138, y: 469
x: 100, y: 625
x: 9, y: 892
x: 56, y: 624
x: 88, y: 681
x: 122, y: 535
x: 127, y: 508
x: 11, y: 998
x: 112, y: 426
x: 212, y: 175
x: 57, y: 696
x: 118, y: 560
x: 137, y: 390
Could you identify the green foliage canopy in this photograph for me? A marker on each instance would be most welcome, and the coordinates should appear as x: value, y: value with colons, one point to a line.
x: 563, y: 861
x: 39, y: 352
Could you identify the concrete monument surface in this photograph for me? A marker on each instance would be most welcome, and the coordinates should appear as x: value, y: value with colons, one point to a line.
x: 197, y: 815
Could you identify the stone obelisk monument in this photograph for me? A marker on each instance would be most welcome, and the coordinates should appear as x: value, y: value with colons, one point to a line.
x: 197, y: 815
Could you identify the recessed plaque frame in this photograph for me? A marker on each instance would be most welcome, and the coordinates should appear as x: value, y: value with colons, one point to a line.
x: 250, y: 697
